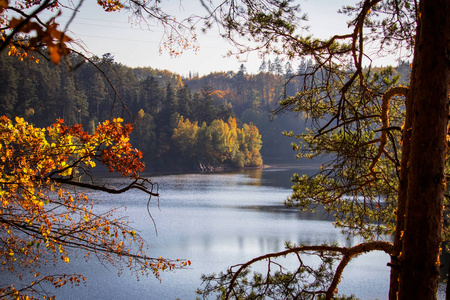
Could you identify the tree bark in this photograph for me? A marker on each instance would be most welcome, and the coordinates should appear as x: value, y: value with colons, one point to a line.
x: 425, y: 181
x: 401, y: 202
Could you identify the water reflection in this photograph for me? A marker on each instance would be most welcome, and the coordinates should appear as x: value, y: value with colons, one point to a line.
x: 255, y: 175
x: 219, y: 220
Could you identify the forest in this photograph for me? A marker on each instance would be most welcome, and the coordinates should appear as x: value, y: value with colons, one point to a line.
x: 223, y: 119
x: 176, y: 128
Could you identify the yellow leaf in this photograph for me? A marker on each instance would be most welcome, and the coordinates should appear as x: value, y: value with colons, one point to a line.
x: 19, y: 121
x: 92, y: 164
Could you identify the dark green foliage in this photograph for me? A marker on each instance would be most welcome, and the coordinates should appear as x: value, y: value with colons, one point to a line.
x: 184, y: 99
x: 203, y: 107
x: 150, y: 95
x: 9, y: 81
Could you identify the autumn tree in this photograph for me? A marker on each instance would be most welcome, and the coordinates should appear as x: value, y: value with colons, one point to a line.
x: 250, y: 144
x: 388, y: 142
x: 217, y: 144
x: 24, y: 17
x: 42, y: 218
x: 185, y: 137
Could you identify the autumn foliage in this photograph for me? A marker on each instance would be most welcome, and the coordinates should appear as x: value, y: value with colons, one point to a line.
x: 217, y: 143
x: 22, y: 26
x: 42, y: 218
x: 33, y: 32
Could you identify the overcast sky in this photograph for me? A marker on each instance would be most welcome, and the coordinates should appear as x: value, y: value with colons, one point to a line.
x: 103, y: 32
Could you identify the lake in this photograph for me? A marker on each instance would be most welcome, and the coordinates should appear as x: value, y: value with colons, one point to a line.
x: 215, y: 221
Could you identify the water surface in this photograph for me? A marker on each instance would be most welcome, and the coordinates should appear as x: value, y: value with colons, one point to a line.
x: 215, y: 221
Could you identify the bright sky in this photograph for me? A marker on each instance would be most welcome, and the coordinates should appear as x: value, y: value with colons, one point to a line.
x: 131, y: 45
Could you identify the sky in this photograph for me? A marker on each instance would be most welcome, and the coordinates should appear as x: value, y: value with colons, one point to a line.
x: 135, y: 45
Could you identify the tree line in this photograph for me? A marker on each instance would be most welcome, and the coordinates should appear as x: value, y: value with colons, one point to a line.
x: 154, y: 100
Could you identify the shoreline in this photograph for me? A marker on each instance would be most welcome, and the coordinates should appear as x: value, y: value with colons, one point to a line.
x: 211, y: 170
x: 102, y: 171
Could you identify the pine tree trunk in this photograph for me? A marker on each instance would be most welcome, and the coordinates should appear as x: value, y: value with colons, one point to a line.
x: 401, y: 206
x: 419, y: 259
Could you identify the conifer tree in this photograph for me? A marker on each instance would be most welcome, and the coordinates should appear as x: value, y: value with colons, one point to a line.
x: 396, y: 164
